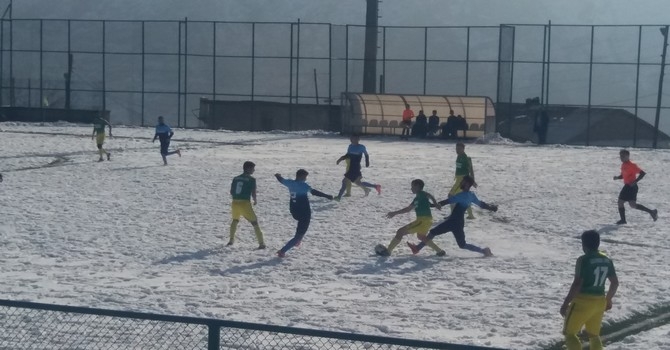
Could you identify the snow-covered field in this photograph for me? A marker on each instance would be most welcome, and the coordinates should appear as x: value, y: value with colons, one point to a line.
x: 131, y: 234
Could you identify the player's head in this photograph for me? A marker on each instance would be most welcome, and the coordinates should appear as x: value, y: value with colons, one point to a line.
x: 160, y: 119
x: 434, y: 112
x: 451, y: 112
x: 406, y: 106
x: 467, y: 182
x: 355, y: 138
x: 421, y: 111
x: 301, y: 174
x: 624, y: 155
x: 417, y: 185
x: 590, y: 240
x: 460, y: 148
x: 249, y: 167
x: 0, y: 177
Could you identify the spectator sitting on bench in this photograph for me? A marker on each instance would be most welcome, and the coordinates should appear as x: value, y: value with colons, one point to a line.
x: 420, y: 127
x: 449, y: 128
x: 433, y: 124
x: 461, y: 124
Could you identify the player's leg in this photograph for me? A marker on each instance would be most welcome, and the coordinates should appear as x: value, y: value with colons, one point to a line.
x: 405, y: 230
x: 357, y: 182
x: 577, y: 314
x: 348, y: 188
x: 594, y: 323
x: 459, y: 235
x: 301, y: 229
x: 100, y: 140
x: 624, y: 196
x: 442, y: 228
x: 250, y: 215
x: 236, y: 212
x: 377, y: 187
x: 342, y: 189
x: 164, y: 151
x: 422, y: 234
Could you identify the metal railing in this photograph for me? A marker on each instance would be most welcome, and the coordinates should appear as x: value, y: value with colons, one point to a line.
x: 29, y: 325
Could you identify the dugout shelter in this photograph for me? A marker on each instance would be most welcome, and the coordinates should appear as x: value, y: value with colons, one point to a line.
x: 382, y: 113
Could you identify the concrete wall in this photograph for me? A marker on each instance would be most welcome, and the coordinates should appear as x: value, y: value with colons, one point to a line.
x: 49, y: 115
x: 266, y: 116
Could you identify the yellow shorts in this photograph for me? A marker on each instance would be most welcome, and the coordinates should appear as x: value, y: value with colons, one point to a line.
x: 100, y: 138
x: 243, y: 208
x: 456, y: 188
x: 587, y: 311
x: 420, y: 225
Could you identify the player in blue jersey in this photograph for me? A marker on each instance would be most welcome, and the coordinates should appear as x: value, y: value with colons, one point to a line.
x: 354, y: 155
x: 164, y: 134
x: 455, y: 222
x: 299, y: 206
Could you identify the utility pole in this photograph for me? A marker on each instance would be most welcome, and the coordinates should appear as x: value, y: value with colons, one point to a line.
x: 664, y: 32
x: 370, y: 59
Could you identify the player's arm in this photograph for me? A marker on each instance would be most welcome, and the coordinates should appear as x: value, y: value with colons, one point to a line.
x: 471, y: 171
x: 434, y: 202
x: 614, y: 285
x: 279, y: 178
x: 253, y: 194
x: 93, y: 134
x: 401, y: 211
x: 639, y: 177
x: 232, y: 187
x: 574, y: 288
x: 618, y: 177
x: 367, y: 157
x: 320, y: 194
x: 346, y: 156
x: 155, y: 136
x: 110, y: 128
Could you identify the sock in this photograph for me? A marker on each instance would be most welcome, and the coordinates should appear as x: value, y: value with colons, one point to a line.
x: 622, y: 213
x: 348, y: 188
x: 367, y: 184
x: 394, y: 242
x: 572, y: 342
x: 342, y: 189
x: 100, y: 152
x: 473, y: 248
x: 595, y: 343
x: 643, y: 208
x: 233, y: 229
x: 433, y: 246
x: 259, y: 235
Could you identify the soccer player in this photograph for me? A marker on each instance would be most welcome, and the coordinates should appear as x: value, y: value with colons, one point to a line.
x: 629, y: 174
x: 406, y: 123
x: 299, y: 206
x: 463, y: 168
x: 242, y: 189
x: 586, y: 301
x: 420, y: 226
x: 355, y: 154
x: 99, y: 134
x: 164, y: 133
x: 455, y: 222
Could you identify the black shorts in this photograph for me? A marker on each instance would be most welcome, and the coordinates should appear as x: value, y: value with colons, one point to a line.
x: 406, y: 123
x: 353, y: 175
x: 628, y: 193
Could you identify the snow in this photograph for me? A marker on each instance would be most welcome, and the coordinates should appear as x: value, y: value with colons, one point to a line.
x: 132, y: 234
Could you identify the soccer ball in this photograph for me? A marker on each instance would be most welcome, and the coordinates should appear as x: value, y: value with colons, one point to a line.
x: 380, y: 249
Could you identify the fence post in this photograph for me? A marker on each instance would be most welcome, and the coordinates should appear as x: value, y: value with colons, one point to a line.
x: 143, y: 74
x: 185, y: 68
x: 588, y: 108
x: 664, y: 32
x: 104, y: 76
x: 179, y: 76
x: 637, y: 84
x: 425, y: 57
x: 467, y: 60
x: 213, y: 337
x: 346, y: 58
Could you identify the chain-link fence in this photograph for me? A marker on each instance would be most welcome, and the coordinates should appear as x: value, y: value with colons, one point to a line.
x: 141, y: 69
x: 45, y: 327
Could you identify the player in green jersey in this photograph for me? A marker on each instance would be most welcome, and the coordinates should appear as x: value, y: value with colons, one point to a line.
x: 99, y: 134
x: 586, y: 301
x: 463, y: 168
x: 243, y: 189
x: 420, y: 226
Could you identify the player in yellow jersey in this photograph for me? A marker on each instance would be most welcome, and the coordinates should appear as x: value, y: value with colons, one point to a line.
x: 463, y: 168
x: 586, y: 301
x: 243, y: 189
x: 420, y: 226
x: 99, y: 134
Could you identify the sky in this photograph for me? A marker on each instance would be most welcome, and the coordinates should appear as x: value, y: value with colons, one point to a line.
x: 132, y: 234
x: 393, y: 12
